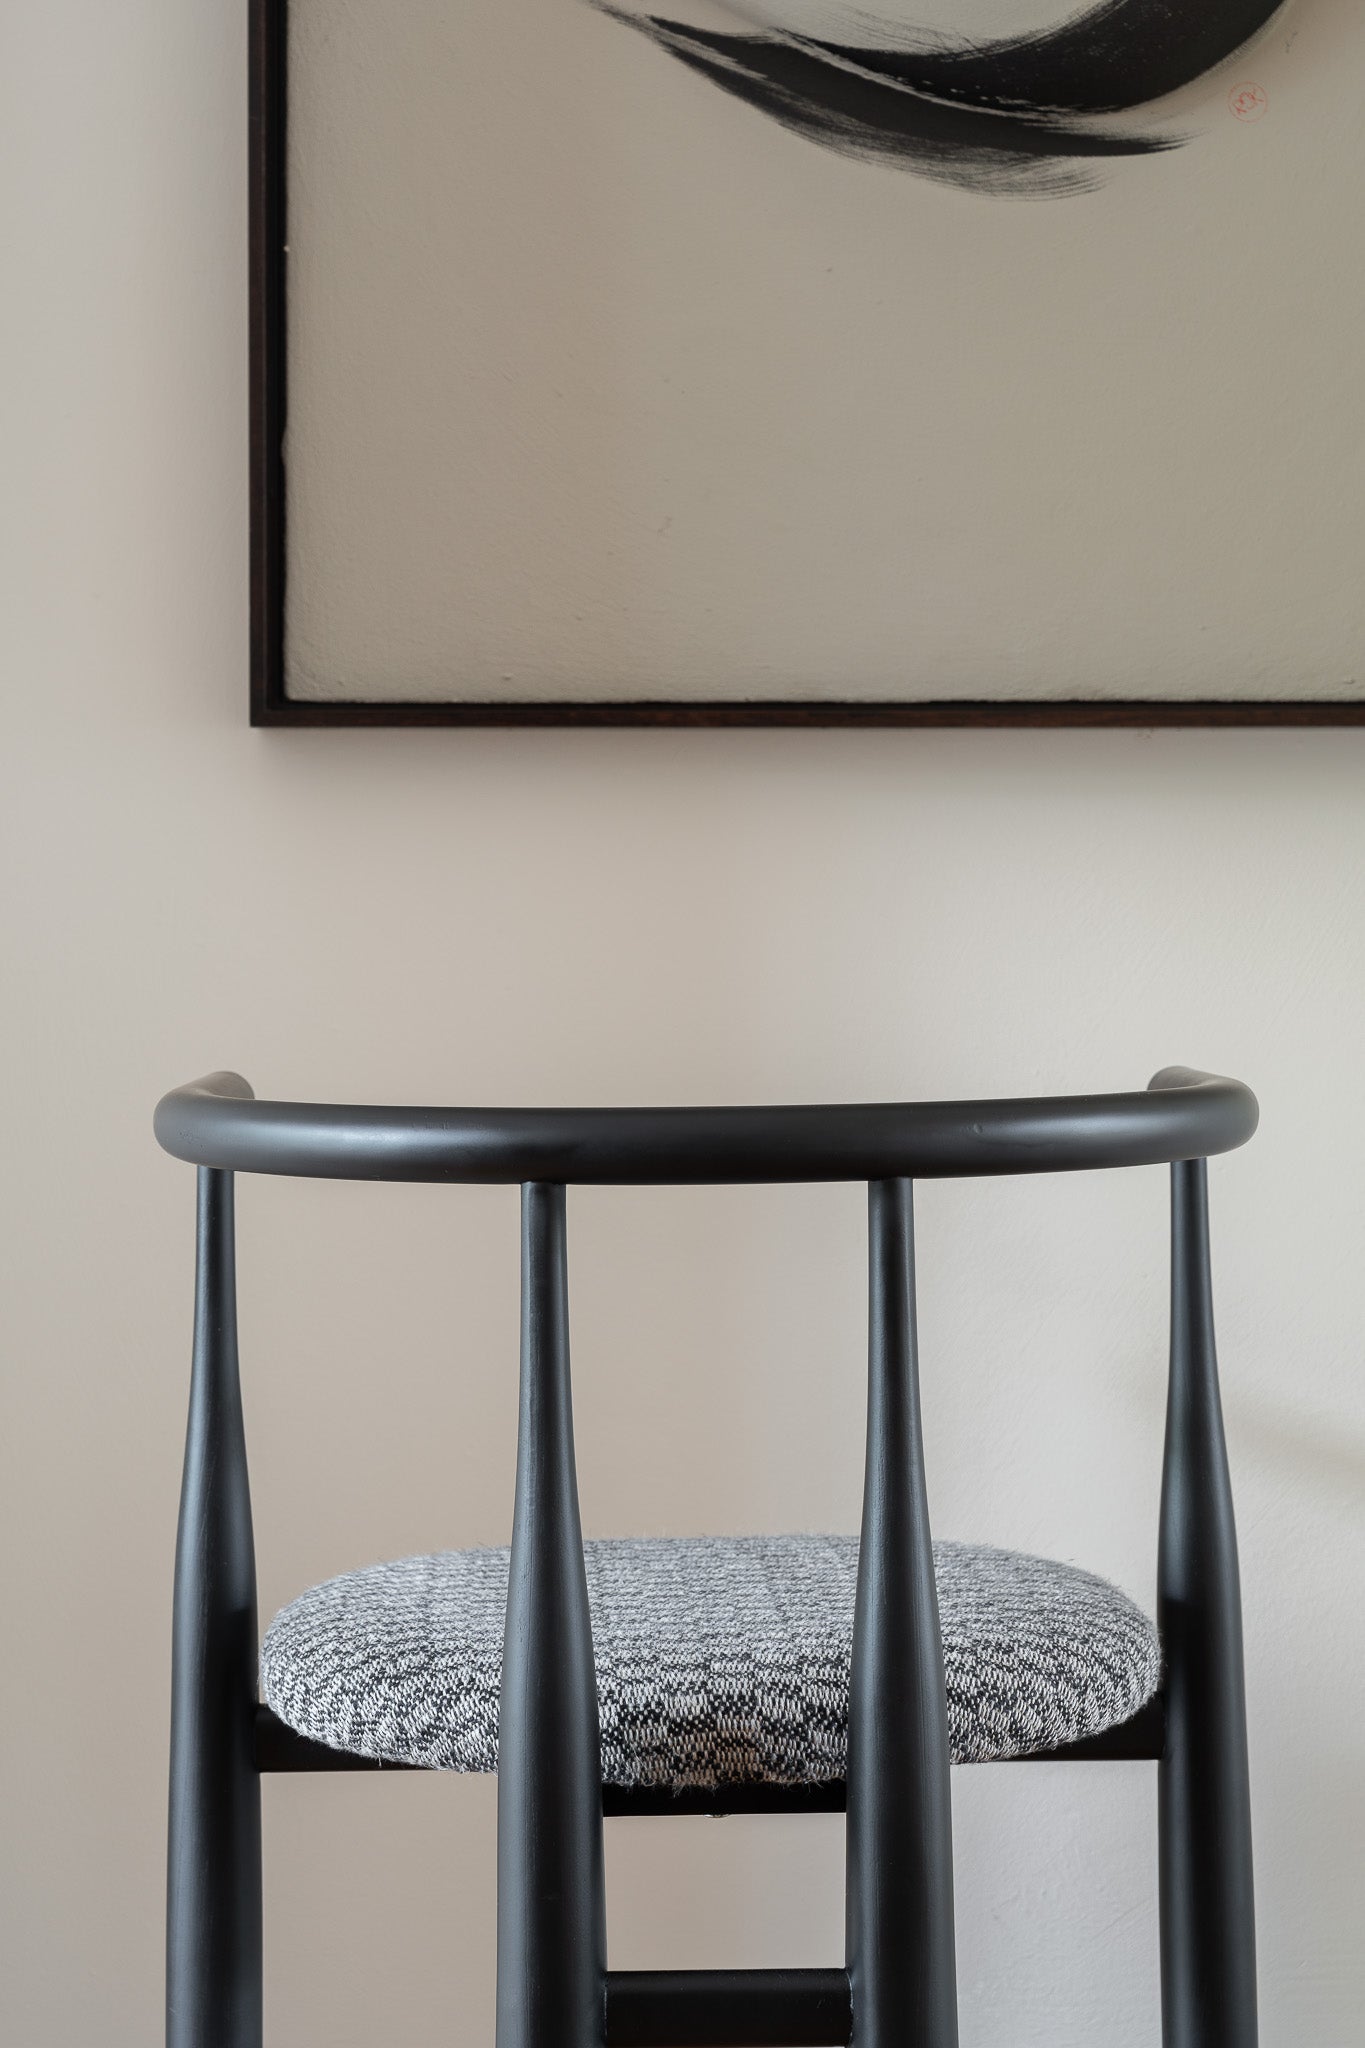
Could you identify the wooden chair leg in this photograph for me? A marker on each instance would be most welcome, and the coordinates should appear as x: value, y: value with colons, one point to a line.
x: 1208, y: 1930
x: 213, y: 1907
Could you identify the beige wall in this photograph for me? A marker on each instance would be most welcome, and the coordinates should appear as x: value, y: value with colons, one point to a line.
x: 604, y: 918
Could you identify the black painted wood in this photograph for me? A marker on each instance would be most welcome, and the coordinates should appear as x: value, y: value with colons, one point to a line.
x: 899, y: 1898
x: 213, y: 1911
x: 552, y: 1941
x: 1208, y: 1942
x: 1182, y: 1114
x: 727, y: 2009
x: 271, y: 707
x: 267, y: 212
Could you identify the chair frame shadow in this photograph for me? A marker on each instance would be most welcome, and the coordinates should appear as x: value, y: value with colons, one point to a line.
x: 554, y: 1988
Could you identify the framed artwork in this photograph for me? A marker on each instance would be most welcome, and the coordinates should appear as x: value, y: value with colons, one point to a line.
x: 883, y: 362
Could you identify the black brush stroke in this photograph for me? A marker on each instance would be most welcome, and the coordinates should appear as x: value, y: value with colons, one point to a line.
x: 862, y: 115
x: 1122, y: 54
x: 992, y: 116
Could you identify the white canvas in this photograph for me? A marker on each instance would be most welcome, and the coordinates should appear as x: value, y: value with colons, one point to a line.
x: 603, y: 385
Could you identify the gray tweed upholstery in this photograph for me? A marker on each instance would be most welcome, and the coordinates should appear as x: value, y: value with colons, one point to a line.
x: 720, y: 1660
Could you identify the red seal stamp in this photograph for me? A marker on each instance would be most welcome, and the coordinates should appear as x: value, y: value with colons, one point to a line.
x: 1248, y: 102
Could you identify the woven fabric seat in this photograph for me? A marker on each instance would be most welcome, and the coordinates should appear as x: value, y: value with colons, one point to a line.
x: 720, y: 1660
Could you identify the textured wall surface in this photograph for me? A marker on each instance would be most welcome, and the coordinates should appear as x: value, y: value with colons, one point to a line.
x: 495, y: 917
x: 606, y: 386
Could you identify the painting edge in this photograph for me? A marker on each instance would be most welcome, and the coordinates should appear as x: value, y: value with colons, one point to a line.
x: 267, y: 116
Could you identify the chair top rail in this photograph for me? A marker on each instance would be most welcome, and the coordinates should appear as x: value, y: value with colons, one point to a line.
x: 218, y: 1122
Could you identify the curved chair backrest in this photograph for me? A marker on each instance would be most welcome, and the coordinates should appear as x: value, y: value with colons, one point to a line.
x: 554, y: 1989
x: 1181, y: 1115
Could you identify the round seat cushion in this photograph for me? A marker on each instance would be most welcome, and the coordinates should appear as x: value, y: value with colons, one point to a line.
x: 720, y: 1660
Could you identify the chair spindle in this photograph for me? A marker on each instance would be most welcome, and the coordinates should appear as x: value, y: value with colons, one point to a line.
x: 552, y: 1944
x: 900, y: 1852
x: 213, y: 1918
x: 1208, y: 1942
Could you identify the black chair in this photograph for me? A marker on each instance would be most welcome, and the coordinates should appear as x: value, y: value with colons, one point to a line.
x: 1034, y: 1660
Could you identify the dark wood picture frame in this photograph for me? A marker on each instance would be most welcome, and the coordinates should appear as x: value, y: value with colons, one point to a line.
x: 271, y: 706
